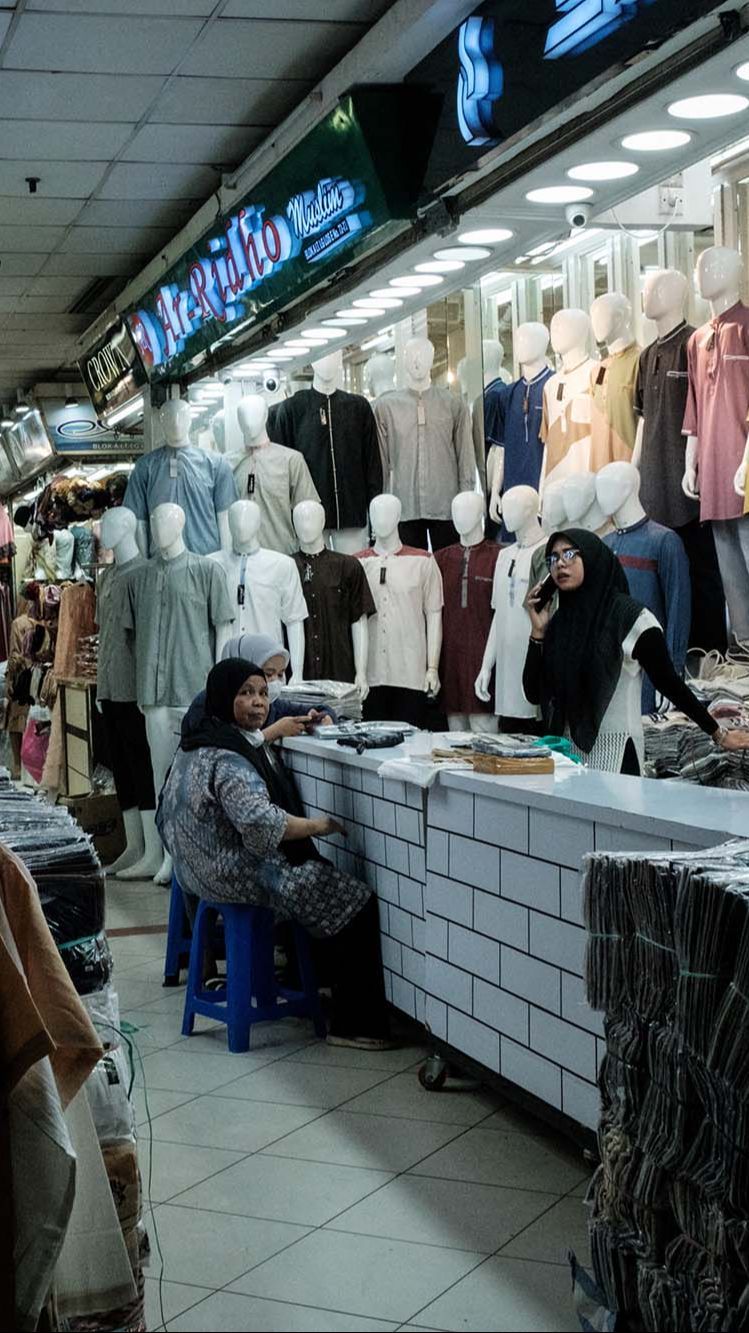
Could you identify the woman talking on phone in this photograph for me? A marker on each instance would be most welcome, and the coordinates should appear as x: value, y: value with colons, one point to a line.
x: 585, y: 660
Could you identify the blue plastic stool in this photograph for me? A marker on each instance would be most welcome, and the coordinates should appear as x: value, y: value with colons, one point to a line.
x: 250, y: 974
x: 178, y: 937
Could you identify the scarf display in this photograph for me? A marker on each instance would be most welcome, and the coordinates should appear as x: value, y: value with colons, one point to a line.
x: 582, y: 657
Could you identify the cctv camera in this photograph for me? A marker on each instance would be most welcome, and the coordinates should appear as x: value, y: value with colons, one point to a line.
x: 578, y: 215
x: 271, y: 382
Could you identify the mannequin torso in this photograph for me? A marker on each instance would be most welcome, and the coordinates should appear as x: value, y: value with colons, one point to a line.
x: 467, y: 570
x: 507, y: 641
x: 339, y: 603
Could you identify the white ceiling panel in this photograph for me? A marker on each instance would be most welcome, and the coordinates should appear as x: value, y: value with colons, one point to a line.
x: 258, y: 48
x: 193, y: 143
x: 139, y: 212
x: 115, y: 240
x: 51, y: 95
x: 20, y: 263
x: 36, y: 337
x: 46, y: 307
x: 13, y: 286
x: 4, y: 24
x: 100, y: 45
x: 139, y: 180
x: 63, y: 141
x: 65, y: 324
x: 342, y: 11
x: 37, y: 211
x: 132, y: 8
x: 59, y: 180
x: 94, y: 266
x: 29, y: 238
x: 229, y: 101
x: 43, y: 286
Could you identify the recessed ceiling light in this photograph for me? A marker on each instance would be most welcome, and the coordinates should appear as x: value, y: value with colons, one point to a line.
x: 440, y: 266
x: 559, y: 194
x: 369, y: 307
x: 603, y: 171
x: 318, y: 338
x: 522, y: 259
x: 542, y: 249
x: 296, y: 345
x: 381, y: 304
x: 743, y: 71
x: 656, y: 141
x: 709, y: 106
x: 316, y: 333
x: 485, y: 236
x: 465, y: 253
x: 383, y: 294
x: 420, y: 280
x: 351, y: 316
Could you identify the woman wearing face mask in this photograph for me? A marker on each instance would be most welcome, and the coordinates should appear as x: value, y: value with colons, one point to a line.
x: 585, y: 661
x: 231, y: 818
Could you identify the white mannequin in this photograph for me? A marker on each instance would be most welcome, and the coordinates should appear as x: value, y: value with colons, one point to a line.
x: 493, y: 354
x: 611, y: 317
x: 418, y: 359
x: 218, y: 430
x: 581, y: 504
x: 521, y: 512
x: 384, y: 515
x: 718, y: 276
x: 309, y: 525
x: 664, y: 300
x: 570, y: 337
x: 379, y: 374
x: 119, y: 534
x: 553, y: 512
x: 252, y: 415
x: 531, y: 344
x: 175, y: 419
x: 468, y: 518
x: 567, y: 401
x: 327, y: 377
x: 618, y: 494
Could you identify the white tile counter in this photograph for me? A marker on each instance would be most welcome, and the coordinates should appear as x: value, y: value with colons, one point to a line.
x: 485, y: 941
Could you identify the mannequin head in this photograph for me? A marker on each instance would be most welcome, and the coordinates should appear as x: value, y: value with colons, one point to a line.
x: 117, y: 525
x: 252, y: 415
x: 579, y: 494
x: 467, y: 512
x: 309, y: 521
x: 379, y: 374
x: 615, y: 484
x: 418, y: 359
x: 218, y: 430
x: 385, y: 515
x: 664, y: 293
x: 718, y: 272
x: 167, y: 524
x: 570, y: 329
x: 328, y: 372
x: 493, y: 354
x: 611, y: 317
x: 175, y: 418
x: 244, y: 521
x: 519, y: 508
x: 531, y: 343
x: 553, y: 513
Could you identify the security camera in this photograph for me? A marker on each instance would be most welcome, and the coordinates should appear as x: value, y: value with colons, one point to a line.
x: 578, y: 215
x: 271, y: 382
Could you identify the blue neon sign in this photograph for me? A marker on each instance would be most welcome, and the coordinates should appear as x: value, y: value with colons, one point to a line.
x: 480, y: 81
x: 584, y: 23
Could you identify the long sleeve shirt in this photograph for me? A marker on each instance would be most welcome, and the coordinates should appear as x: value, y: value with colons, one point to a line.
x: 337, y: 436
x: 427, y: 449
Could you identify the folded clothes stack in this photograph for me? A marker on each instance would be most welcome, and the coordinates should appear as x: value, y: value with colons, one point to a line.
x: 675, y: 747
x: 342, y: 697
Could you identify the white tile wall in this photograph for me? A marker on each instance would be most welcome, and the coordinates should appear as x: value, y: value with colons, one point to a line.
x: 559, y: 838
x: 451, y: 809
x: 531, y: 979
x: 474, y: 953
x: 563, y: 1043
x: 531, y: 1072
x: 501, y: 822
x: 446, y: 898
x: 528, y: 880
x: 475, y: 863
x: 502, y: 921
x: 501, y: 1010
x: 479, y: 1042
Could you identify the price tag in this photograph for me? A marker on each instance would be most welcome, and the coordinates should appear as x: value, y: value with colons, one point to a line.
x: 173, y: 468
x: 421, y: 414
x: 240, y: 594
x: 383, y: 576
x: 600, y: 377
x: 323, y: 417
x: 251, y: 484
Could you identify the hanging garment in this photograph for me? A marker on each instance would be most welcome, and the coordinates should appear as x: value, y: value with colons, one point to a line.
x: 277, y: 479
x: 718, y: 368
x: 566, y: 422
x: 337, y: 594
x: 406, y: 586
x: 77, y: 619
x: 337, y: 436
x: 515, y: 427
x: 115, y: 673
x: 613, y: 420
x: 661, y: 400
x: 467, y: 579
x: 427, y: 449
x: 200, y: 483
x: 265, y: 591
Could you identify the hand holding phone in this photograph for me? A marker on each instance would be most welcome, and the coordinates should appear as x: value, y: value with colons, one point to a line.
x: 538, y: 606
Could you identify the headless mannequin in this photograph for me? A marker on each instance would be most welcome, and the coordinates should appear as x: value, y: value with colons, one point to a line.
x: 384, y: 516
x: 532, y: 342
x: 567, y: 403
x: 309, y: 525
x: 379, y: 374
x: 218, y: 430
x: 468, y: 517
x: 327, y: 378
x: 175, y: 419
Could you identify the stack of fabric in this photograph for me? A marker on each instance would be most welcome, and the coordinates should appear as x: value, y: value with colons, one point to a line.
x: 675, y: 747
x: 668, y: 964
x: 343, y: 698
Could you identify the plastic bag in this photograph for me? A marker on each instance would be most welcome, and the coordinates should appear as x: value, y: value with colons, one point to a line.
x: 73, y: 906
x: 107, y: 1091
x: 89, y: 963
x: 34, y: 748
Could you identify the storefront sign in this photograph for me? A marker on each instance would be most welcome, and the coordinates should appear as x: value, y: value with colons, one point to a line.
x: 76, y: 431
x: 335, y: 192
x: 112, y: 370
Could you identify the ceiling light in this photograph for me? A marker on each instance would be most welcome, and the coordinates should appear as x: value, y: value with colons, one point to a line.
x: 485, y: 236
x: 656, y: 141
x: 522, y: 259
x: 421, y: 280
x: 6, y: 421
x: 316, y: 339
x: 316, y: 333
x: 131, y: 409
x: 384, y: 303
x: 441, y: 266
x: 709, y: 106
x: 283, y: 356
x: 296, y: 345
x: 352, y: 319
x: 559, y: 194
x: 370, y: 308
x: 383, y: 294
x: 465, y: 253
x: 743, y: 71
x: 603, y: 171
x: 542, y: 249
x: 21, y: 407
x: 357, y: 316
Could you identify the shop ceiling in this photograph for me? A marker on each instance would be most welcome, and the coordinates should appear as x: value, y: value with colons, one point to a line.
x: 118, y: 120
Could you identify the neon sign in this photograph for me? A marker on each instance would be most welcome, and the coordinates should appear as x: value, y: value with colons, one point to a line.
x: 480, y: 81
x: 583, y: 23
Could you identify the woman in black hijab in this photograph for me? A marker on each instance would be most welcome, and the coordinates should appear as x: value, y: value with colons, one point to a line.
x: 585, y: 661
x: 231, y: 817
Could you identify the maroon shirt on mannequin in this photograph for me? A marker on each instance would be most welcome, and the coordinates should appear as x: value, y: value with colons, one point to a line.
x: 467, y: 577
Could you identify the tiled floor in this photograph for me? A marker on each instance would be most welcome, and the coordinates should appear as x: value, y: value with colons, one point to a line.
x: 306, y: 1187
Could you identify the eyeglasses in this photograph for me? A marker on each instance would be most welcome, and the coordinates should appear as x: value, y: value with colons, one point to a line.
x: 562, y: 557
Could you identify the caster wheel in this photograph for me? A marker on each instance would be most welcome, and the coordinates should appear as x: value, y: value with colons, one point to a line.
x: 433, y: 1075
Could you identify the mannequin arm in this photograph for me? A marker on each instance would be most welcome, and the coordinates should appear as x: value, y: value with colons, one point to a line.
x: 637, y: 451
x: 739, y: 481
x: 434, y: 648
x: 487, y: 666
x: 496, y: 464
x: 295, y: 635
x: 224, y: 530
x: 141, y: 537
x: 690, y: 482
x: 360, y: 641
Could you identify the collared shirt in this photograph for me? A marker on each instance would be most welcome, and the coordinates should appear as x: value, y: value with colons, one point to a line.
x: 337, y: 436
x: 115, y: 672
x: 407, y: 587
x: 264, y: 590
x: 661, y: 399
x: 613, y: 420
x: 337, y: 595
x: 718, y: 366
x: 173, y: 608
x: 467, y: 578
x: 512, y: 574
x: 276, y: 478
x: 515, y: 426
x: 427, y: 446
x: 199, y: 482
x: 565, y: 422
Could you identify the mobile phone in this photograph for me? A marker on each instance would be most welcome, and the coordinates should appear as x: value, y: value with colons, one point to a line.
x: 544, y: 594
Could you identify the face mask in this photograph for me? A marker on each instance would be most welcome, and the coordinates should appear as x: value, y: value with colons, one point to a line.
x: 274, y: 689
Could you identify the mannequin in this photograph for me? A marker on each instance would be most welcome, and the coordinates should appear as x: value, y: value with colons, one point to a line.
x: 336, y: 434
x: 339, y: 604
x: 613, y: 421
x: 427, y: 449
x: 275, y: 477
x: 581, y: 505
x: 494, y: 376
x: 507, y: 641
x: 467, y: 571
x: 124, y: 724
x: 198, y: 481
x: 654, y: 561
x: 379, y: 374
x: 218, y: 430
x: 513, y: 429
x: 715, y: 424
x: 175, y: 603
x: 263, y: 586
x: 405, y: 638
x: 565, y: 428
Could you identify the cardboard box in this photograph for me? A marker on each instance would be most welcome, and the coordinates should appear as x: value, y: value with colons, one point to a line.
x: 101, y: 818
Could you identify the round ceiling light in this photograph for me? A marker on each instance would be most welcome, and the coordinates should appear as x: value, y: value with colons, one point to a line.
x: 382, y: 294
x: 603, y: 171
x: 709, y: 106
x: 440, y: 266
x: 296, y: 345
x: 316, y: 333
x: 743, y: 71
x: 369, y: 307
x: 485, y: 236
x: 465, y: 253
x: 350, y: 318
x: 656, y: 141
x: 358, y: 314
x: 559, y: 194
x: 284, y: 356
x: 380, y: 304
x: 420, y: 280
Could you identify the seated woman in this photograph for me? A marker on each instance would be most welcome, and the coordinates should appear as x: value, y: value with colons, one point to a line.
x: 284, y: 719
x: 232, y: 820
x: 585, y: 661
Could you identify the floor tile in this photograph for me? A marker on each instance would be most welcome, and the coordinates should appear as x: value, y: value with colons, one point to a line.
x: 179, y: 1070
x: 304, y: 1085
x: 506, y: 1296
x: 135, y: 990
x: 277, y: 1039
x: 176, y: 1167
x: 365, y: 1140
x: 513, y: 1160
x: 235, y: 1314
x: 581, y: 1189
x: 444, y: 1212
x: 159, y: 1102
x: 404, y: 1096
x: 309, y: 1193
x: 382, y: 1279
x: 234, y: 1123
x: 176, y: 1297
x: 212, y: 1249
x: 564, y: 1227
x: 390, y: 1062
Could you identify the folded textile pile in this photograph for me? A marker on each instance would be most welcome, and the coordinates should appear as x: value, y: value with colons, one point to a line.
x: 339, y: 695
x: 676, y: 748
x: 668, y: 963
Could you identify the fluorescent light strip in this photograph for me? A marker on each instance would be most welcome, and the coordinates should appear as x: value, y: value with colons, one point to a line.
x: 131, y: 409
